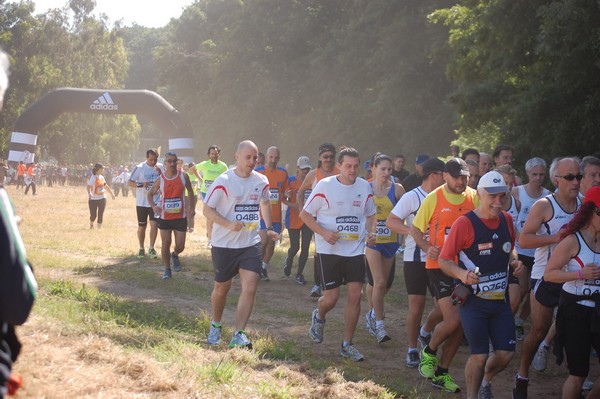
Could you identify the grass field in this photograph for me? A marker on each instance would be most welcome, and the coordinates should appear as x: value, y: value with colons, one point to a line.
x: 105, y: 324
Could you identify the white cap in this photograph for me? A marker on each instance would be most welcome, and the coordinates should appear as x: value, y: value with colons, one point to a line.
x: 304, y: 162
x: 493, y: 183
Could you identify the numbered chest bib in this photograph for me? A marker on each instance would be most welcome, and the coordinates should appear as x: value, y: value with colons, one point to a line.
x: 207, y: 184
x: 493, y: 286
x: 348, y: 227
x: 247, y: 214
x: 173, y: 205
x: 274, y: 196
x: 384, y: 234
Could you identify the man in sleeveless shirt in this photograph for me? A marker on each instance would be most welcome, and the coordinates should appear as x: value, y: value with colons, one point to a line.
x: 483, y: 242
x: 439, y: 210
x: 542, y: 231
x: 171, y: 211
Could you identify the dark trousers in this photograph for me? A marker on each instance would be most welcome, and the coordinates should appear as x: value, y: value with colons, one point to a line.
x: 97, y: 209
x: 295, y: 235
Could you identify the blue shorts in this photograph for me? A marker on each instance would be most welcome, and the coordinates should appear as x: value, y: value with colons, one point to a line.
x: 203, y: 195
x: 276, y: 226
x: 388, y: 250
x: 486, y: 321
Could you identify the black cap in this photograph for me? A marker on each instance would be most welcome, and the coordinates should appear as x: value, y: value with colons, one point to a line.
x: 326, y: 147
x: 421, y: 159
x: 457, y: 167
x: 432, y: 165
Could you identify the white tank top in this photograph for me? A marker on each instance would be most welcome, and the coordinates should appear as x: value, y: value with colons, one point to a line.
x: 526, y: 204
x: 513, y: 211
x: 582, y: 287
x: 559, y: 219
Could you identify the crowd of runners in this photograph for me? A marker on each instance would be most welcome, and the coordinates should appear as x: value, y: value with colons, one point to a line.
x: 491, y: 248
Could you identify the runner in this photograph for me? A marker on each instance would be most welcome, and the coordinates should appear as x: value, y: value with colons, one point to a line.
x: 21, y: 171
x: 577, y: 319
x: 381, y: 255
x: 415, y: 276
x: 439, y: 210
x: 234, y: 203
x: 187, y: 168
x: 206, y: 172
x: 142, y: 177
x: 278, y: 185
x: 96, y: 189
x: 399, y: 173
x: 527, y: 195
x: 325, y: 168
x: 414, y: 180
x: 345, y: 213
x: 504, y: 154
x: 590, y: 169
x: 485, y: 163
x: 483, y: 242
x: 30, y: 177
x: 171, y: 211
x: 542, y: 231
x: 295, y: 225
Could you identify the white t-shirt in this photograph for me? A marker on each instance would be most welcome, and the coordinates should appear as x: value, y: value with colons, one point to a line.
x: 237, y: 198
x: 344, y: 208
x: 140, y: 174
x: 406, y: 209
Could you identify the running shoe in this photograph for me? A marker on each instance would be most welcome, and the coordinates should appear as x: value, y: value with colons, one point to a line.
x: 587, y: 384
x: 141, y: 253
x: 427, y: 365
x: 152, y: 253
x: 287, y: 269
x: 175, y: 262
x: 485, y: 392
x: 240, y: 340
x: 540, y: 360
x: 381, y: 335
x: 315, y: 291
x: 445, y: 382
x: 300, y: 280
x: 412, y: 359
x: 350, y: 352
x: 316, y: 327
x: 214, y: 335
x: 520, y: 388
x: 423, y: 340
x: 264, y: 275
x: 520, y: 333
x: 167, y: 274
x: 370, y: 323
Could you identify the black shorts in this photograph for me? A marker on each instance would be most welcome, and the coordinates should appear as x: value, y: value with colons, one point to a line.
x: 173, y: 224
x: 390, y: 279
x: 440, y: 284
x: 575, y: 329
x: 227, y: 262
x: 548, y: 294
x: 415, y: 278
x: 527, y: 262
x: 143, y: 214
x: 337, y: 270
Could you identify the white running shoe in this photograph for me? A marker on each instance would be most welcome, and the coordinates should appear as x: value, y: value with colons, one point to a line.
x: 540, y: 360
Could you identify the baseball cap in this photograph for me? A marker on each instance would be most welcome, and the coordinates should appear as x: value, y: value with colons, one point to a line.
x: 421, y: 158
x: 303, y: 162
x: 456, y: 167
x: 593, y: 195
x: 326, y: 147
x: 432, y: 165
x: 493, y: 183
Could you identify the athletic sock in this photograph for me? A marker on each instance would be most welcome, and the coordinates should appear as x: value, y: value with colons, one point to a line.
x: 430, y: 351
x: 424, y: 333
x: 440, y: 370
x: 410, y: 350
x: 216, y: 324
x: 485, y: 383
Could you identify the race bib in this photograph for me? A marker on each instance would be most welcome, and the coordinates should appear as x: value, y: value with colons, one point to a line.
x: 493, y: 286
x: 384, y: 234
x: 247, y: 214
x: 590, y: 287
x: 306, y: 195
x: 274, y: 196
x: 348, y: 227
x: 207, y: 184
x: 173, y: 205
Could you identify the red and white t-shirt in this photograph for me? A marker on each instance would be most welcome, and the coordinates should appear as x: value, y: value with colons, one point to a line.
x: 237, y: 199
x: 343, y: 208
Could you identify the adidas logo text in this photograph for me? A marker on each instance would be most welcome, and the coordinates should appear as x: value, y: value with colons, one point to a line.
x: 103, y: 103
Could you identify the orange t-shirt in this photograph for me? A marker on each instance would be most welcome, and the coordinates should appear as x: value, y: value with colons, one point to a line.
x: 294, y: 185
x: 278, y: 185
x: 21, y: 169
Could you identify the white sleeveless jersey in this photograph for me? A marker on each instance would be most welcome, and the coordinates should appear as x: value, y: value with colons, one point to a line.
x: 526, y: 204
x: 582, y: 287
x: 406, y: 209
x: 237, y: 199
x: 558, y: 220
x: 513, y: 211
x: 342, y: 208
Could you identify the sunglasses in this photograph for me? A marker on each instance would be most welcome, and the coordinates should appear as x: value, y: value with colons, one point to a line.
x: 571, y: 177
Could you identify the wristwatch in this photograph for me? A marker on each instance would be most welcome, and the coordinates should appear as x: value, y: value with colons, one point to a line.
x: 270, y: 228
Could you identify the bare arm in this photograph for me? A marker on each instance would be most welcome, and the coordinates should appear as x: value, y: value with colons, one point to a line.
x: 212, y: 214
x: 397, y: 225
x: 540, y: 212
x: 561, y: 255
x: 330, y: 236
x: 432, y: 251
x: 453, y: 270
x: 151, y: 193
x: 265, y: 210
x: 306, y: 184
x: 191, y: 196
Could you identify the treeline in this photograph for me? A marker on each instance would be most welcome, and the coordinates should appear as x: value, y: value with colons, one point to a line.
x: 381, y: 75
